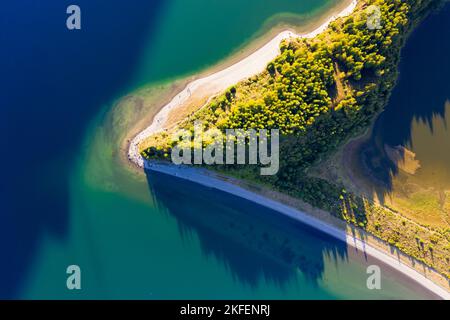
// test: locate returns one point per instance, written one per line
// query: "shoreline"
(212, 180)
(214, 82)
(170, 88)
(219, 81)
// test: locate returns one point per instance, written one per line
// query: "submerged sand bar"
(220, 81)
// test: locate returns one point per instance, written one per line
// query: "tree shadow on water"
(251, 241)
(54, 82)
(421, 95)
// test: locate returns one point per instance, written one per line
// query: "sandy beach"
(220, 81)
(210, 180)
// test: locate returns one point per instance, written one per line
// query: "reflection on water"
(251, 244)
(431, 144)
(264, 250)
(422, 182)
(52, 216)
(408, 156)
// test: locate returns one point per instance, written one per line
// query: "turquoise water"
(418, 118)
(71, 201)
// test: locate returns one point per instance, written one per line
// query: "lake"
(67, 199)
(409, 151)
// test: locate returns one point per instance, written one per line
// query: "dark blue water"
(64, 200)
(53, 82)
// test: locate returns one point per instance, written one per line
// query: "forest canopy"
(319, 92)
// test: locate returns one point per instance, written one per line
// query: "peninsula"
(320, 90)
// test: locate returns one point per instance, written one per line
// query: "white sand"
(207, 179)
(220, 81)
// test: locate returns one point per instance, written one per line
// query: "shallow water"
(418, 118)
(67, 199)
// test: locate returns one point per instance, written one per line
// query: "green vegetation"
(319, 92)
